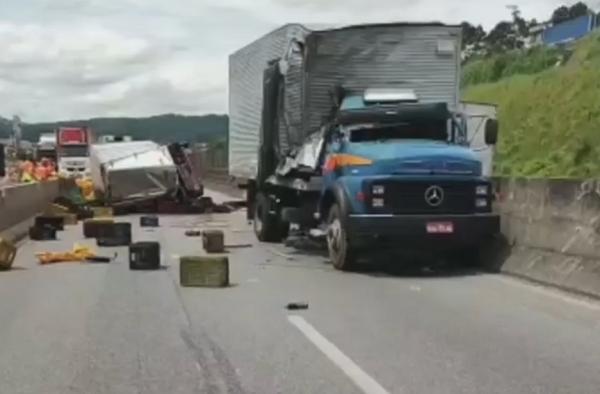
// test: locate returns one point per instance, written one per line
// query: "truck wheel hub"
(334, 235)
(258, 224)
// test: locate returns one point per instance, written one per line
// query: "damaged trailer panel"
(318, 64)
(131, 170)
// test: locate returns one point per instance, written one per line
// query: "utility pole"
(17, 131)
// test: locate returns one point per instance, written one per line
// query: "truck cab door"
(477, 115)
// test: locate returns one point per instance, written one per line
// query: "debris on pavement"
(149, 221)
(236, 204)
(8, 251)
(56, 210)
(114, 234)
(295, 306)
(101, 259)
(281, 254)
(302, 242)
(57, 223)
(213, 241)
(80, 253)
(204, 271)
(42, 233)
(103, 212)
(144, 256)
(238, 246)
(94, 228)
(193, 233)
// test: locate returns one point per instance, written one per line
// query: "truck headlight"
(482, 190)
(378, 190)
(481, 202)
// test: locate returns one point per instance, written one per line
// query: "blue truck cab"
(399, 173)
(386, 172)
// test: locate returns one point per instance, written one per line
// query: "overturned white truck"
(132, 170)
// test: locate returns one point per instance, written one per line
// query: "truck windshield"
(74, 151)
(422, 129)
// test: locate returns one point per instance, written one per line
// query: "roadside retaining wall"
(552, 230)
(20, 203)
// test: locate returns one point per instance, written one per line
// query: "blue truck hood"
(415, 157)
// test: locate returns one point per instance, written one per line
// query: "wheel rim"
(334, 236)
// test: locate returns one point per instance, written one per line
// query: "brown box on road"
(204, 271)
(213, 241)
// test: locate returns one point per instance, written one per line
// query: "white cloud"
(64, 59)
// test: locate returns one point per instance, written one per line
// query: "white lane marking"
(365, 382)
(551, 292)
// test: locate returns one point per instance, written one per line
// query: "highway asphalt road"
(81, 328)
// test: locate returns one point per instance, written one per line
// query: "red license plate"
(440, 228)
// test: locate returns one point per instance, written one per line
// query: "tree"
(564, 13)
(471, 34)
(561, 14)
(502, 37)
(519, 24)
(578, 9)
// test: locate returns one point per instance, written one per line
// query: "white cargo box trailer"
(130, 170)
(315, 62)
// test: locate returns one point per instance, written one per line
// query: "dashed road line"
(366, 383)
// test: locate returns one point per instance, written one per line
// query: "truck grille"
(408, 197)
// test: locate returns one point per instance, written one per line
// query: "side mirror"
(491, 132)
(2, 162)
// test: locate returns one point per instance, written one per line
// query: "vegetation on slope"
(550, 120)
(516, 62)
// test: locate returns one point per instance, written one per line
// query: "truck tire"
(268, 227)
(341, 253)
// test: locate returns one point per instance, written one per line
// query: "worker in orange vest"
(27, 171)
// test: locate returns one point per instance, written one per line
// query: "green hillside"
(163, 128)
(549, 108)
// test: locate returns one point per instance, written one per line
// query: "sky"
(76, 59)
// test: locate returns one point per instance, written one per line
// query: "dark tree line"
(511, 34)
(565, 13)
(162, 128)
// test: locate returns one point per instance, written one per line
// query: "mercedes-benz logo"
(434, 196)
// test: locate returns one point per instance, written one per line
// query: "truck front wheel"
(342, 255)
(268, 227)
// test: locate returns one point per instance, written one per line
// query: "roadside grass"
(550, 120)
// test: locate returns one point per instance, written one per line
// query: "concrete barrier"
(18, 204)
(552, 230)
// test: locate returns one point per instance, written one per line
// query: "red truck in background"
(73, 151)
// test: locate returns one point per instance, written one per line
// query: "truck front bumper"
(412, 230)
